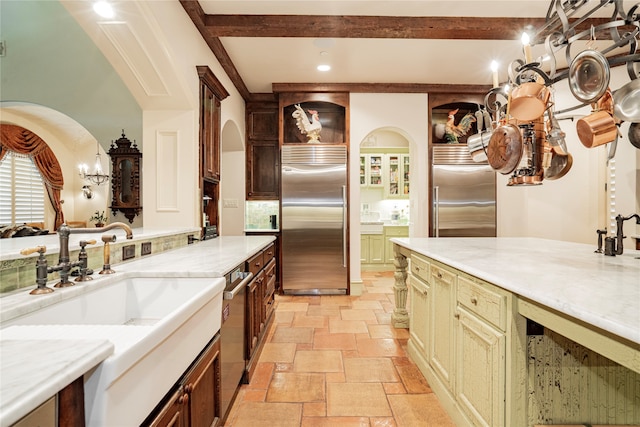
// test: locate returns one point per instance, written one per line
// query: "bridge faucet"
(613, 246)
(64, 263)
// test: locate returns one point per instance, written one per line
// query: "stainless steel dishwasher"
(232, 335)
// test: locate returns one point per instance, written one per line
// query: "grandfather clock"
(125, 177)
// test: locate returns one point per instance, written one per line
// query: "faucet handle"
(29, 251)
(84, 243)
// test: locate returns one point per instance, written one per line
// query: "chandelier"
(98, 177)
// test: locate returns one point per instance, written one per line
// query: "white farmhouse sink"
(157, 325)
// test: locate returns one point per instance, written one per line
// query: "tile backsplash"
(257, 214)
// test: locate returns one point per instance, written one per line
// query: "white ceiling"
(263, 61)
(136, 44)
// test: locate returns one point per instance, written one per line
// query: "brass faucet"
(64, 263)
(613, 246)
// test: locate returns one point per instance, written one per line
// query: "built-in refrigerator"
(463, 194)
(314, 219)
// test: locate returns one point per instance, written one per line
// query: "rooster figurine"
(452, 131)
(311, 129)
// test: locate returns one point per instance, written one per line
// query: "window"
(21, 191)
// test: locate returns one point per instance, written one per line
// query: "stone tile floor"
(337, 361)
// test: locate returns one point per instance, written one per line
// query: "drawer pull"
(439, 275)
(425, 292)
(457, 315)
(474, 300)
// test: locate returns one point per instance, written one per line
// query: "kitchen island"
(496, 323)
(210, 259)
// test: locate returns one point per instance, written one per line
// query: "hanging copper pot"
(529, 101)
(596, 129)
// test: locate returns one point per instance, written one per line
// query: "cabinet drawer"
(268, 254)
(420, 267)
(396, 231)
(439, 273)
(255, 263)
(483, 301)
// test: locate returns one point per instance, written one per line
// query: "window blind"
(21, 191)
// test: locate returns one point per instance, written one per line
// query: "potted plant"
(99, 218)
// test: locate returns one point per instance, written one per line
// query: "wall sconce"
(87, 192)
(97, 177)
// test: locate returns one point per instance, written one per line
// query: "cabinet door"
(375, 170)
(389, 233)
(420, 315)
(209, 133)
(202, 385)
(254, 303)
(263, 163)
(376, 249)
(480, 370)
(442, 284)
(405, 175)
(363, 171)
(392, 181)
(173, 414)
(364, 249)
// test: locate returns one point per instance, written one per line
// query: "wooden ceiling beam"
(390, 27)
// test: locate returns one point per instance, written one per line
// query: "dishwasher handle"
(232, 293)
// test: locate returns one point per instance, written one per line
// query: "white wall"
(573, 207)
(73, 145)
(405, 114)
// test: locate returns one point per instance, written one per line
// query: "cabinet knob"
(188, 388)
(474, 300)
(439, 275)
(457, 315)
(184, 399)
(425, 292)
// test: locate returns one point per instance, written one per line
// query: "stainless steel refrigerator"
(463, 194)
(314, 219)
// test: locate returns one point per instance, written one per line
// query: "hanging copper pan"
(529, 101)
(596, 129)
(505, 148)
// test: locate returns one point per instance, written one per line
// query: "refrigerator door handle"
(344, 226)
(436, 211)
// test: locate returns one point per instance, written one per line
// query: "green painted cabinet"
(371, 249)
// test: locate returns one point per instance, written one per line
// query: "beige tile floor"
(337, 361)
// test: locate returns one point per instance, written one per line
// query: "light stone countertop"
(603, 291)
(33, 371)
(210, 258)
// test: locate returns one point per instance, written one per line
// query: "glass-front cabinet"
(390, 171)
(371, 170)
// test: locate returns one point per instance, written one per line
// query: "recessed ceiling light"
(324, 67)
(103, 9)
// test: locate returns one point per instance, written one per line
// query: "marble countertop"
(602, 291)
(210, 258)
(33, 371)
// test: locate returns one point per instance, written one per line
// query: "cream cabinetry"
(389, 233)
(441, 341)
(461, 329)
(419, 297)
(387, 170)
(372, 249)
(481, 351)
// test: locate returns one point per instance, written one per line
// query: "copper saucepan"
(529, 101)
(596, 129)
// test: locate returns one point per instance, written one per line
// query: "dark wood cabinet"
(260, 304)
(263, 152)
(172, 414)
(333, 114)
(211, 93)
(202, 386)
(195, 400)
